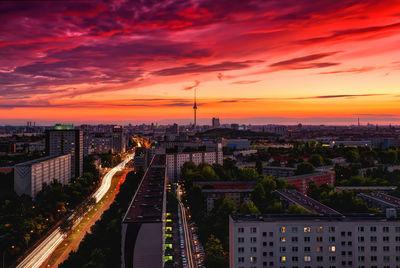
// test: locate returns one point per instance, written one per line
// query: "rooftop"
(148, 201)
(38, 160)
(311, 217)
(384, 198)
(306, 202)
(307, 175)
(227, 190)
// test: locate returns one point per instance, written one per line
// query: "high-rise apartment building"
(66, 140)
(29, 177)
(118, 140)
(320, 241)
(215, 122)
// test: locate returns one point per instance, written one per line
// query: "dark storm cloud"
(304, 62)
(197, 68)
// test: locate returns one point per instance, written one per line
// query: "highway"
(36, 258)
(187, 236)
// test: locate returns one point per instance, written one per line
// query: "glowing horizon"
(120, 61)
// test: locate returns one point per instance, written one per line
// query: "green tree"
(259, 166)
(388, 157)
(296, 209)
(304, 168)
(352, 155)
(249, 173)
(316, 160)
(248, 208)
(215, 256)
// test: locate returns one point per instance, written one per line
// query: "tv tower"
(194, 108)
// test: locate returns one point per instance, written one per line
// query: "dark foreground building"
(144, 222)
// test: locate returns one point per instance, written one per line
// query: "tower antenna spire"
(194, 108)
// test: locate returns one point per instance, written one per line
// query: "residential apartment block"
(29, 177)
(317, 241)
(175, 161)
(66, 140)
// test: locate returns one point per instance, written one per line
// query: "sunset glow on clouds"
(261, 61)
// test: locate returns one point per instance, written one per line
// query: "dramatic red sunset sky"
(273, 61)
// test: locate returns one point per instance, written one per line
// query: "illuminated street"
(39, 255)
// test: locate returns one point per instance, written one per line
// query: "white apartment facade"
(313, 241)
(175, 161)
(29, 177)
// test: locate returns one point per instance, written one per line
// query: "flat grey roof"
(227, 190)
(38, 160)
(311, 217)
(306, 202)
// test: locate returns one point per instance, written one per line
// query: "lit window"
(320, 229)
(307, 258)
(283, 239)
(307, 229)
(332, 249)
(283, 258)
(283, 229)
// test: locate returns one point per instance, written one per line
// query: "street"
(190, 257)
(44, 250)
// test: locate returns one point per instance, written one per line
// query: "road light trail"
(188, 240)
(36, 258)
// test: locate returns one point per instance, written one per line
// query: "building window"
(386, 258)
(253, 230)
(253, 239)
(307, 229)
(332, 258)
(307, 249)
(240, 230)
(241, 259)
(372, 229)
(253, 259)
(283, 258)
(397, 229)
(361, 249)
(331, 239)
(320, 258)
(307, 239)
(397, 238)
(386, 239)
(319, 249)
(295, 258)
(240, 239)
(374, 258)
(361, 258)
(320, 229)
(331, 229)
(319, 238)
(361, 229)
(307, 258)
(282, 239)
(373, 239)
(385, 229)
(361, 239)
(385, 248)
(264, 234)
(373, 248)
(295, 249)
(283, 229)
(241, 250)
(294, 229)
(282, 249)
(332, 248)
(294, 239)
(253, 249)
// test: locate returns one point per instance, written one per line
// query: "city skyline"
(252, 62)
